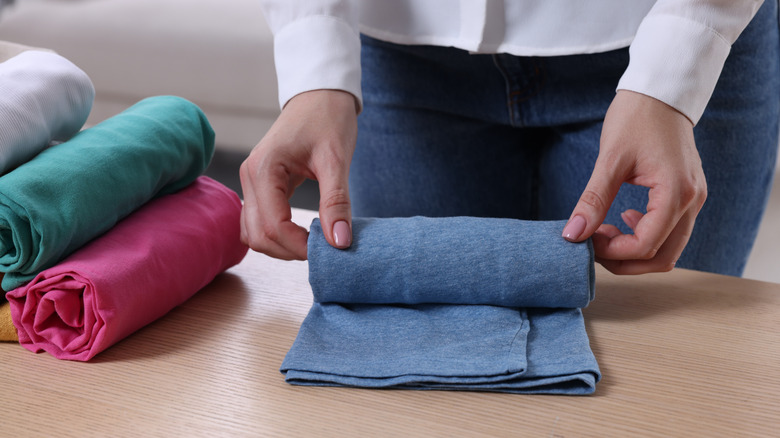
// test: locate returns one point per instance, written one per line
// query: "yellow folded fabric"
(7, 329)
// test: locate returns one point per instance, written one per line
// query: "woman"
(489, 108)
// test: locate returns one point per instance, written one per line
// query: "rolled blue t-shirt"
(448, 303)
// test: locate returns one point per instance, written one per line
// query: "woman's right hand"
(314, 137)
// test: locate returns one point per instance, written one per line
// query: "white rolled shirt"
(44, 98)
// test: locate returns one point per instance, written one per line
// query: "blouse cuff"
(677, 61)
(317, 52)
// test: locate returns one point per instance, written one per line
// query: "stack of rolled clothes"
(458, 304)
(112, 226)
(44, 99)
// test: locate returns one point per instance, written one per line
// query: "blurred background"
(217, 54)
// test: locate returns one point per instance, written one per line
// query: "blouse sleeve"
(680, 48)
(316, 46)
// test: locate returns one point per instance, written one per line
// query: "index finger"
(267, 218)
(663, 214)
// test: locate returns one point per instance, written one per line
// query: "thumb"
(336, 210)
(592, 207)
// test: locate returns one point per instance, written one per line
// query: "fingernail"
(341, 234)
(574, 228)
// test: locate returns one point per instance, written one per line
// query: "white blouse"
(677, 47)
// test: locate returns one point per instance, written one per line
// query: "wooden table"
(682, 353)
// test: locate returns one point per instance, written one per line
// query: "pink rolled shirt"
(149, 263)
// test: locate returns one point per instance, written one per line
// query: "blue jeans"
(447, 133)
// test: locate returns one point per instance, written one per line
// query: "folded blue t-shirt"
(448, 303)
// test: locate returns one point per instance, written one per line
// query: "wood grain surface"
(682, 354)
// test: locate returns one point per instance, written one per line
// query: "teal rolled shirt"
(74, 191)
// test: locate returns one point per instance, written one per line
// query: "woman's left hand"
(648, 143)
